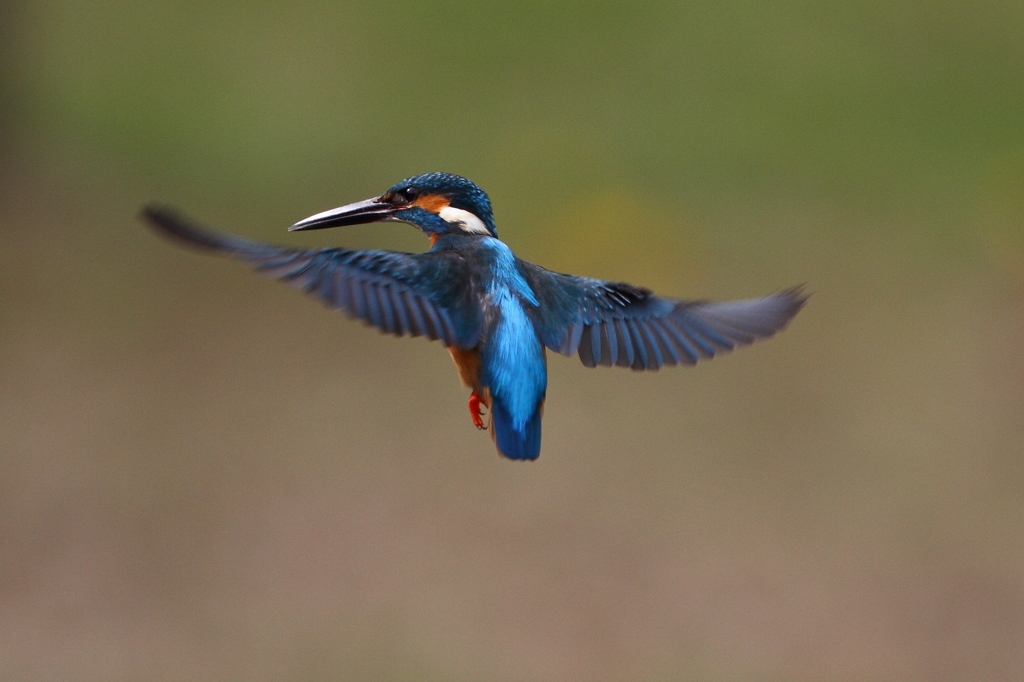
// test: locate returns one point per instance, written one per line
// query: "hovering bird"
(495, 313)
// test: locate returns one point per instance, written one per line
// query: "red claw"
(475, 412)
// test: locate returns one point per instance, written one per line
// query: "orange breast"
(468, 364)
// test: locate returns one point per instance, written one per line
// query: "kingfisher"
(496, 314)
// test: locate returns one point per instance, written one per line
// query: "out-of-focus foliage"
(205, 476)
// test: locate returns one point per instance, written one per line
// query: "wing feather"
(586, 347)
(399, 293)
(668, 349)
(611, 333)
(612, 323)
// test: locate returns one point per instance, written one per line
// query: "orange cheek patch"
(431, 202)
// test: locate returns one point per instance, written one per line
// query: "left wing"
(612, 323)
(422, 294)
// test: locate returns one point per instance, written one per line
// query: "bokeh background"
(207, 476)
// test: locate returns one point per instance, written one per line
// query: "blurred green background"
(207, 476)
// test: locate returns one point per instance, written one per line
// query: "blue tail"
(515, 444)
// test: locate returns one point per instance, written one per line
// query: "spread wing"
(611, 323)
(423, 294)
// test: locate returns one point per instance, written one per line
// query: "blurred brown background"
(207, 476)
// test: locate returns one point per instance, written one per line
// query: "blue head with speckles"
(452, 197)
(437, 203)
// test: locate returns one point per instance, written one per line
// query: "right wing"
(612, 323)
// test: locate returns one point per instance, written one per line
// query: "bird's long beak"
(369, 211)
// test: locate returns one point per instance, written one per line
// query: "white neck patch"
(468, 221)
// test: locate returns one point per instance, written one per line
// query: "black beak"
(369, 211)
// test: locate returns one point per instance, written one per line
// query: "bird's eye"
(410, 193)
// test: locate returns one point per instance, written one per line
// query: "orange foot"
(474, 411)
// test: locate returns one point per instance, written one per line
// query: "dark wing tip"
(170, 223)
(797, 293)
(795, 297)
(742, 322)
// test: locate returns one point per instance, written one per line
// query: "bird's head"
(437, 203)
